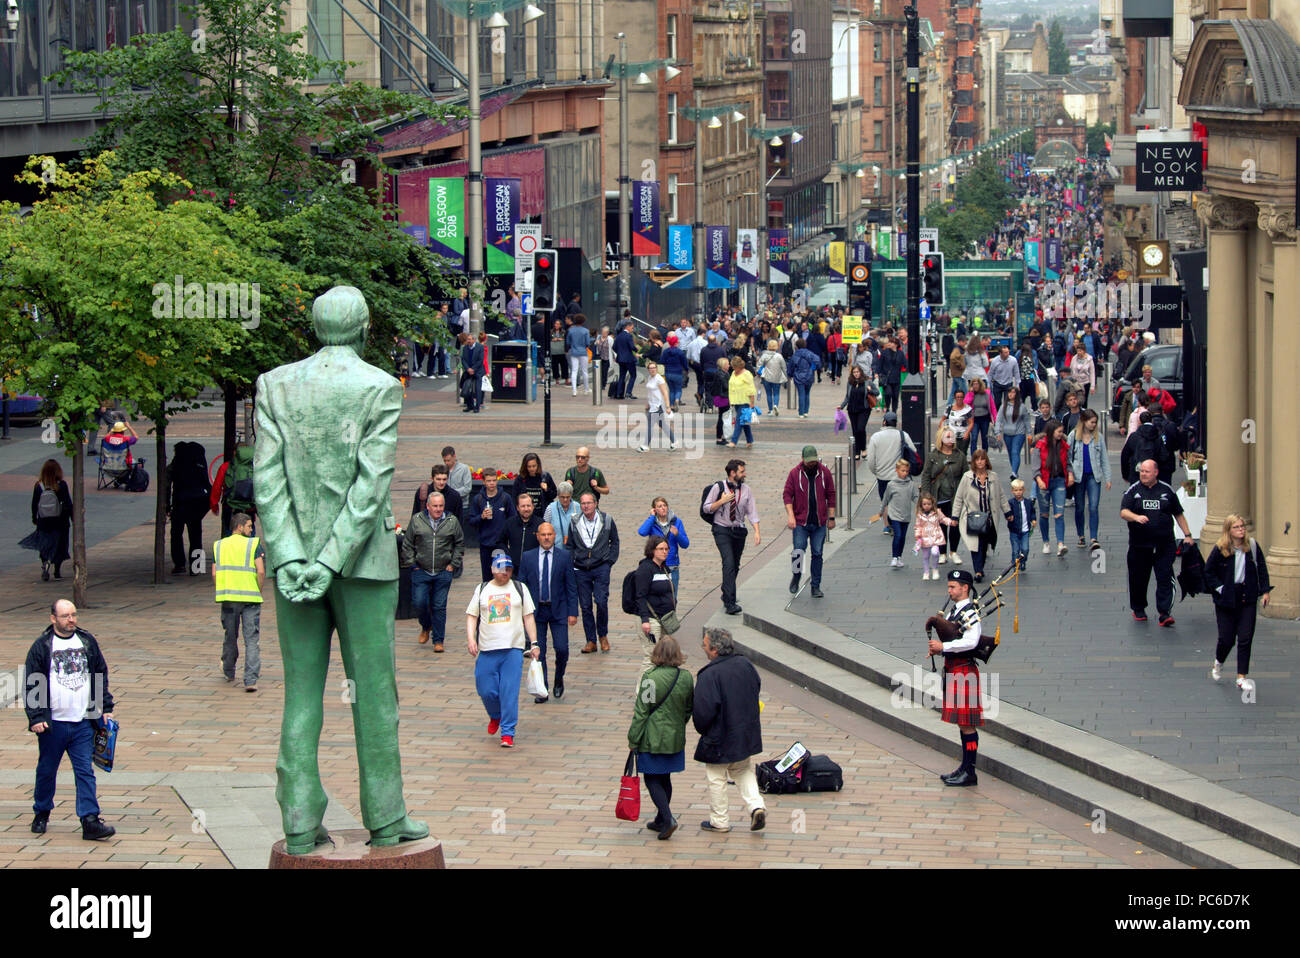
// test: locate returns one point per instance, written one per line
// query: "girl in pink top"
(929, 535)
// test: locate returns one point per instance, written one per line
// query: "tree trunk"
(160, 506)
(79, 527)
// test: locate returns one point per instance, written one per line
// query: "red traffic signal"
(543, 262)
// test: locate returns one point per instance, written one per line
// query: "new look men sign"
(1169, 165)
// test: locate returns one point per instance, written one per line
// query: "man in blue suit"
(625, 356)
(547, 571)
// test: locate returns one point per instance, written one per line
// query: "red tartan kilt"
(961, 694)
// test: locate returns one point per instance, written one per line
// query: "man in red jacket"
(809, 512)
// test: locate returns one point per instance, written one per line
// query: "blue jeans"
(559, 635)
(673, 571)
(735, 432)
(804, 536)
(773, 391)
(674, 389)
(1014, 446)
(1053, 495)
(78, 740)
(593, 587)
(957, 383)
(1088, 485)
(496, 679)
(900, 536)
(803, 389)
(1020, 547)
(429, 599)
(979, 433)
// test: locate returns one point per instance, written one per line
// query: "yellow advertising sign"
(837, 259)
(852, 330)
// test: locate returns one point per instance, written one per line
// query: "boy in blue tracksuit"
(1021, 515)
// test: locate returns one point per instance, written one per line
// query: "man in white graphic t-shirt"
(500, 627)
(66, 688)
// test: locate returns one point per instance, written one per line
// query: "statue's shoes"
(300, 843)
(405, 830)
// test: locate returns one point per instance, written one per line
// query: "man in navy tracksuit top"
(625, 356)
(489, 511)
(66, 683)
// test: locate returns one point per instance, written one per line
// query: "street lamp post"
(474, 184)
(624, 211)
(701, 295)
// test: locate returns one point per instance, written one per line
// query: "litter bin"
(510, 371)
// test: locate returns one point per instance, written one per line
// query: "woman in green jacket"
(944, 467)
(658, 730)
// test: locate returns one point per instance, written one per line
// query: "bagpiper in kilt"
(959, 633)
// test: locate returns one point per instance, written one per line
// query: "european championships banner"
(1052, 259)
(500, 214)
(717, 256)
(778, 257)
(681, 252)
(836, 260)
(447, 218)
(1031, 259)
(747, 256)
(645, 218)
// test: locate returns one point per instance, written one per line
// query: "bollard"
(853, 465)
(598, 383)
(789, 394)
(546, 408)
(839, 484)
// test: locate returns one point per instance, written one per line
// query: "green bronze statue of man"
(326, 446)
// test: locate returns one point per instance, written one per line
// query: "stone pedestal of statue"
(349, 850)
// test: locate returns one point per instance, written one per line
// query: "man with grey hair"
(726, 715)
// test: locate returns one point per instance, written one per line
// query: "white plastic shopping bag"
(536, 681)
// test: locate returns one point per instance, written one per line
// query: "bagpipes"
(948, 630)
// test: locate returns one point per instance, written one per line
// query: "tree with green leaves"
(235, 108)
(1096, 137)
(1058, 56)
(114, 284)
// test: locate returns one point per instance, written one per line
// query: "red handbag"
(629, 792)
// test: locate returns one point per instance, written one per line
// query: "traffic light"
(545, 265)
(932, 290)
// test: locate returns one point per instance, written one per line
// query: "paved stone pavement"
(197, 756)
(1079, 658)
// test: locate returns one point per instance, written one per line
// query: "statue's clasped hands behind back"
(300, 581)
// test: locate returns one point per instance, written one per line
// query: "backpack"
(137, 479)
(705, 514)
(239, 480)
(49, 506)
(787, 345)
(629, 593)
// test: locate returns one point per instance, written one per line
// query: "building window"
(778, 96)
(672, 197)
(672, 36)
(878, 136)
(672, 118)
(878, 46)
(326, 41)
(778, 36)
(835, 141)
(878, 90)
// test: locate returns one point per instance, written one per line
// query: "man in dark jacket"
(727, 717)
(709, 357)
(816, 344)
(65, 685)
(1148, 441)
(625, 356)
(521, 528)
(188, 494)
(889, 369)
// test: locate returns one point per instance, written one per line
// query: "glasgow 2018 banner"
(681, 253)
(447, 218)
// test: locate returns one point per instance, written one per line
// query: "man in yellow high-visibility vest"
(239, 570)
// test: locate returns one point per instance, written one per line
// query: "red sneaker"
(1166, 620)
(507, 741)
(493, 726)
(1139, 617)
